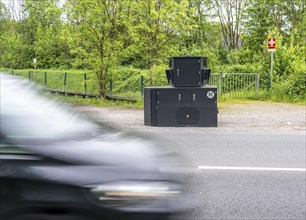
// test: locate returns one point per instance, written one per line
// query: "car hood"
(109, 150)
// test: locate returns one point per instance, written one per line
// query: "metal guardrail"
(109, 97)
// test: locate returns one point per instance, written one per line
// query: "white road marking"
(252, 168)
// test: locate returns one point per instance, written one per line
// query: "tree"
(199, 29)
(285, 18)
(295, 12)
(5, 27)
(201, 34)
(230, 13)
(98, 26)
(42, 27)
(257, 25)
(157, 25)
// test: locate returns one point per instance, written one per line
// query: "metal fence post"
(85, 85)
(111, 88)
(257, 84)
(45, 79)
(141, 86)
(29, 75)
(220, 84)
(65, 81)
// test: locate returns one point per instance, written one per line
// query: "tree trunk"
(101, 83)
(151, 64)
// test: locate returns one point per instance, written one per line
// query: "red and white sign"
(272, 43)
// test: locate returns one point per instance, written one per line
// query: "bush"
(239, 68)
(127, 79)
(296, 88)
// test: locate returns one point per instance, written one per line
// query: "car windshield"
(26, 115)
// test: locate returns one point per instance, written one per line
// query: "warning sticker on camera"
(210, 94)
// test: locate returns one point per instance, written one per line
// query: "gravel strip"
(247, 117)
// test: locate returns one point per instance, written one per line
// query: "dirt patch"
(247, 117)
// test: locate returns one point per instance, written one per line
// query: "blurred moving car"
(54, 164)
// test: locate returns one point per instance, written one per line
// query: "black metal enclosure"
(186, 102)
(195, 107)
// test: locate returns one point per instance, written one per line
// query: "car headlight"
(129, 193)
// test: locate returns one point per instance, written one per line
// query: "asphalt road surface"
(231, 174)
(243, 176)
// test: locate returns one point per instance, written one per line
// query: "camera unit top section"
(188, 71)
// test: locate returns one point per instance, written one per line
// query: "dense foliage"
(139, 35)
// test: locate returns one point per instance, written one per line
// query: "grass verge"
(101, 102)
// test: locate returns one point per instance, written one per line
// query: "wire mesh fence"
(236, 85)
(230, 85)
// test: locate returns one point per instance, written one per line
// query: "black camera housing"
(188, 101)
(188, 71)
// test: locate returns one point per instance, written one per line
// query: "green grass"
(277, 95)
(55, 79)
(127, 84)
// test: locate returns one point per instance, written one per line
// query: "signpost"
(271, 49)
